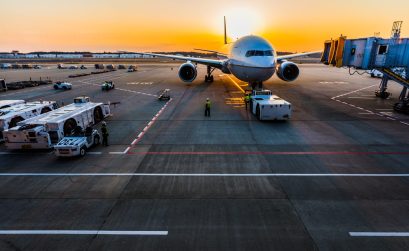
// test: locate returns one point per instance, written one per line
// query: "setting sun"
(243, 21)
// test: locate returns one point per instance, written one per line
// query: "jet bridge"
(389, 56)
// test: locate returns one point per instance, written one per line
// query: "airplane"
(251, 59)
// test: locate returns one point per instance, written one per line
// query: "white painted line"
(404, 123)
(379, 175)
(134, 141)
(362, 98)
(366, 113)
(140, 134)
(379, 234)
(127, 149)
(355, 91)
(116, 153)
(80, 232)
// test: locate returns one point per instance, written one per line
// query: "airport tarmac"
(334, 177)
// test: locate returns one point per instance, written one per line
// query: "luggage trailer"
(44, 131)
(11, 116)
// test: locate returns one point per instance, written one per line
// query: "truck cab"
(62, 86)
(77, 144)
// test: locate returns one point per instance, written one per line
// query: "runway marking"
(269, 153)
(140, 83)
(354, 91)
(378, 175)
(149, 125)
(238, 86)
(379, 234)
(80, 232)
(333, 82)
(362, 98)
(387, 115)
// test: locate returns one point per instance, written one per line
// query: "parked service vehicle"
(111, 67)
(27, 66)
(266, 106)
(132, 68)
(99, 66)
(61, 66)
(83, 67)
(78, 144)
(37, 66)
(46, 130)
(10, 102)
(121, 67)
(73, 67)
(10, 116)
(62, 86)
(107, 85)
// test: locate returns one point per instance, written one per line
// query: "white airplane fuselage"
(252, 59)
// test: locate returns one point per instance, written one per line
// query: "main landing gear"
(209, 77)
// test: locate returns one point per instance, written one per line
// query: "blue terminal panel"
(374, 52)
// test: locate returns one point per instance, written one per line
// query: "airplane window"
(249, 53)
(253, 53)
(268, 53)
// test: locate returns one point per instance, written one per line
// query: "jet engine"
(187, 72)
(288, 71)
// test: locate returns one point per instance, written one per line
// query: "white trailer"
(44, 131)
(10, 102)
(11, 116)
(266, 106)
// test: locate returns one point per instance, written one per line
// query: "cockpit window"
(257, 53)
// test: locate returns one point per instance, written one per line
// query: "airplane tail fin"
(225, 31)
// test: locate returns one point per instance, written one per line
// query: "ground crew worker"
(247, 99)
(207, 108)
(105, 134)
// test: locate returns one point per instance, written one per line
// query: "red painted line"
(269, 153)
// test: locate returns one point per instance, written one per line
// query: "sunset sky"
(163, 25)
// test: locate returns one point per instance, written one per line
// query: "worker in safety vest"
(105, 134)
(247, 99)
(207, 108)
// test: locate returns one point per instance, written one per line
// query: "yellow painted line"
(234, 82)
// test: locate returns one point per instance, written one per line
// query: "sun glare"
(242, 22)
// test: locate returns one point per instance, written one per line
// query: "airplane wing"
(290, 56)
(211, 62)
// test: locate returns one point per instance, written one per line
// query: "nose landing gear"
(257, 85)
(209, 77)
